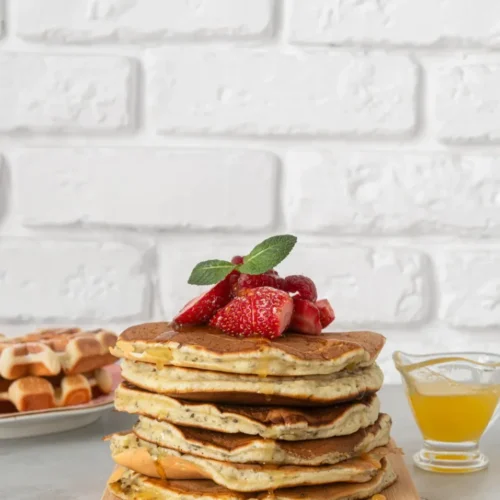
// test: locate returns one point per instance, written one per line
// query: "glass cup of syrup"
(454, 399)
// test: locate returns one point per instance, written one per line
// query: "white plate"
(39, 423)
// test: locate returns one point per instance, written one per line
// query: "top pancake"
(206, 348)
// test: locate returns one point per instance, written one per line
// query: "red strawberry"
(272, 272)
(232, 277)
(246, 281)
(302, 285)
(202, 308)
(305, 318)
(326, 312)
(263, 311)
(237, 259)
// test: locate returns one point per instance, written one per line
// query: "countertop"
(74, 465)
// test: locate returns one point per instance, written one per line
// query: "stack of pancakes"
(250, 418)
(53, 368)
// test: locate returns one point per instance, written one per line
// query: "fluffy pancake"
(128, 485)
(207, 386)
(240, 448)
(146, 458)
(286, 423)
(207, 348)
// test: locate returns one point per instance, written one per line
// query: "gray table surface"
(74, 465)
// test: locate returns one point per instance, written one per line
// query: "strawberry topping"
(303, 286)
(246, 281)
(326, 312)
(305, 318)
(202, 308)
(237, 259)
(263, 311)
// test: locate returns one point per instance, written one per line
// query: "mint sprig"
(262, 258)
(210, 272)
(268, 254)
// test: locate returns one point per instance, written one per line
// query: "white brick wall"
(130, 21)
(395, 22)
(392, 193)
(281, 92)
(85, 187)
(40, 92)
(141, 136)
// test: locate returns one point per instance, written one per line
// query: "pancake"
(207, 386)
(285, 423)
(146, 458)
(128, 485)
(207, 348)
(240, 448)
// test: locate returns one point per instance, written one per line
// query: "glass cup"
(454, 399)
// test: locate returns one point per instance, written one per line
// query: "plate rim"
(86, 408)
(57, 412)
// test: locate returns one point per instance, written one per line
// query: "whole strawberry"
(261, 311)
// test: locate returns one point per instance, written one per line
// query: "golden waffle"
(36, 393)
(49, 352)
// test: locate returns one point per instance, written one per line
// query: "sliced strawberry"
(258, 311)
(233, 277)
(202, 308)
(305, 318)
(326, 312)
(237, 259)
(302, 285)
(246, 281)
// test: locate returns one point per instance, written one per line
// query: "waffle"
(51, 352)
(36, 393)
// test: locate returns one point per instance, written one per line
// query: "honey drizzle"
(159, 469)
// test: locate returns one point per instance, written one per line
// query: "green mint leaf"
(268, 254)
(210, 272)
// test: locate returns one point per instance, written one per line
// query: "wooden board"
(403, 489)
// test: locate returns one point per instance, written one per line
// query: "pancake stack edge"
(228, 418)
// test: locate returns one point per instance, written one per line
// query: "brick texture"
(396, 22)
(71, 280)
(63, 93)
(466, 101)
(243, 93)
(470, 283)
(152, 187)
(392, 193)
(128, 21)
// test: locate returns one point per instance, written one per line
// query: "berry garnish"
(250, 297)
(305, 318)
(326, 312)
(264, 257)
(303, 286)
(246, 281)
(199, 310)
(263, 311)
